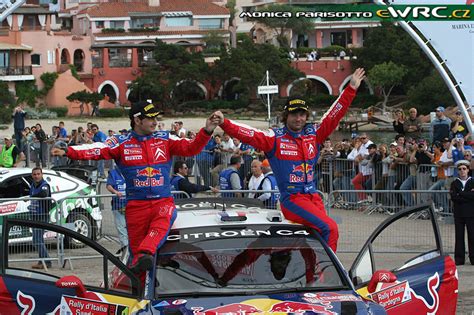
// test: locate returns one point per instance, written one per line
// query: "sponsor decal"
(326, 297)
(235, 233)
(93, 152)
(133, 158)
(131, 145)
(279, 132)
(159, 154)
(161, 134)
(149, 172)
(132, 151)
(286, 152)
(298, 173)
(310, 148)
(335, 110)
(300, 308)
(8, 208)
(149, 182)
(234, 308)
(289, 146)
(246, 132)
(112, 141)
(179, 302)
(391, 296)
(26, 302)
(74, 305)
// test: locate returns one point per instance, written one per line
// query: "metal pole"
(268, 100)
(440, 68)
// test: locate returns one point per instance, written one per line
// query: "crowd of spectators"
(409, 162)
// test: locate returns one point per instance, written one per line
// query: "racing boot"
(144, 262)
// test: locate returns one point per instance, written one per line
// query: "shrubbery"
(112, 112)
(6, 114)
(212, 105)
(60, 111)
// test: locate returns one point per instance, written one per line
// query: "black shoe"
(459, 263)
(144, 262)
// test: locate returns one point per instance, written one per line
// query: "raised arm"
(260, 140)
(95, 151)
(331, 118)
(190, 147)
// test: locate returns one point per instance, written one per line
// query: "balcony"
(26, 70)
(120, 63)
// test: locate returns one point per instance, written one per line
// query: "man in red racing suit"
(144, 157)
(292, 153)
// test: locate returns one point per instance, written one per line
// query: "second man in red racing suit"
(144, 156)
(292, 153)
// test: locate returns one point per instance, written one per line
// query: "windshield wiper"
(301, 289)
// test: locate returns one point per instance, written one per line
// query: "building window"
(120, 57)
(96, 56)
(4, 59)
(117, 24)
(247, 9)
(179, 21)
(349, 36)
(338, 38)
(99, 24)
(210, 24)
(302, 41)
(145, 22)
(36, 60)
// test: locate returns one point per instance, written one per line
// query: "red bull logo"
(299, 307)
(299, 171)
(148, 172)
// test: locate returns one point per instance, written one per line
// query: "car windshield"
(234, 259)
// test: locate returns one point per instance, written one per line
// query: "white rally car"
(83, 214)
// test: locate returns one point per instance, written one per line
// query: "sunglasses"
(462, 168)
(363, 137)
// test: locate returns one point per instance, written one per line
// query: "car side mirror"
(72, 282)
(380, 276)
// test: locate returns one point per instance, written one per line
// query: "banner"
(454, 42)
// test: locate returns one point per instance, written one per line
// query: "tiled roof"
(182, 32)
(121, 9)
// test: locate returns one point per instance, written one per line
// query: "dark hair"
(178, 165)
(284, 115)
(94, 126)
(37, 168)
(235, 159)
(372, 146)
(399, 136)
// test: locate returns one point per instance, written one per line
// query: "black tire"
(83, 226)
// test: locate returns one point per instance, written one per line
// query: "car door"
(402, 266)
(70, 281)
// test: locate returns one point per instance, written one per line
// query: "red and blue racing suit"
(293, 157)
(145, 163)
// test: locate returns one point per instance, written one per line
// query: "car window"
(239, 260)
(59, 184)
(27, 258)
(14, 187)
(407, 241)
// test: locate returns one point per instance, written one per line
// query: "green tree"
(281, 25)
(232, 10)
(48, 78)
(249, 62)
(386, 76)
(214, 41)
(430, 93)
(6, 97)
(174, 66)
(84, 97)
(27, 92)
(392, 43)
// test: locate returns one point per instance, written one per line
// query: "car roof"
(14, 171)
(200, 212)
